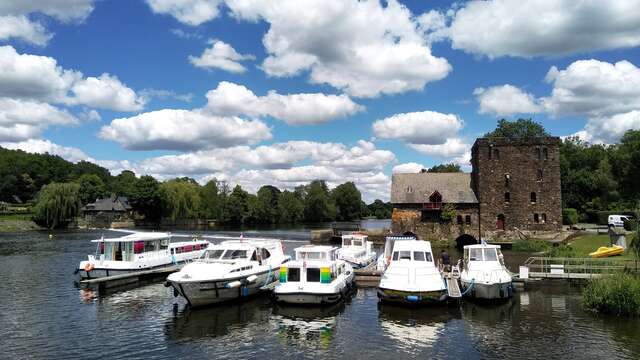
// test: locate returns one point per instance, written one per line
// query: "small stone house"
(104, 212)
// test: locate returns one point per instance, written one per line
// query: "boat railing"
(578, 267)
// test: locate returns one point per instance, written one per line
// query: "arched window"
(539, 175)
(544, 218)
(435, 197)
(507, 180)
(545, 153)
(534, 198)
(409, 189)
(500, 222)
(538, 153)
(536, 218)
(496, 154)
(459, 219)
(467, 219)
(507, 197)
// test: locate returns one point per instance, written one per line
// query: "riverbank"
(617, 295)
(579, 246)
(17, 222)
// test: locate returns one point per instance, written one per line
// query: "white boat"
(484, 275)
(316, 276)
(411, 275)
(136, 252)
(357, 250)
(229, 270)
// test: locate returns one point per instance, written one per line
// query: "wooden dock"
(130, 280)
(368, 276)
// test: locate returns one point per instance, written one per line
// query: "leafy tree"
(124, 183)
(380, 209)
(317, 203)
(519, 129)
(448, 212)
(290, 207)
(146, 198)
(91, 188)
(266, 206)
(58, 204)
(211, 202)
(445, 168)
(626, 164)
(237, 205)
(347, 199)
(180, 199)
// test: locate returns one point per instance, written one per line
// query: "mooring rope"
(473, 282)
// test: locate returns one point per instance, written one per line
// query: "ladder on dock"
(453, 287)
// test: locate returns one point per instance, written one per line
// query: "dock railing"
(578, 268)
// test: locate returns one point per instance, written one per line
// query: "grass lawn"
(585, 244)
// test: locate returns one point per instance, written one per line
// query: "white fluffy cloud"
(171, 129)
(20, 27)
(505, 100)
(45, 146)
(426, 127)
(40, 78)
(453, 147)
(189, 12)
(24, 119)
(609, 130)
(380, 49)
(410, 167)
(544, 28)
(312, 108)
(593, 88)
(221, 56)
(14, 22)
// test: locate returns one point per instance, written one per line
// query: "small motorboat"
(316, 276)
(484, 275)
(605, 251)
(136, 252)
(230, 270)
(357, 250)
(411, 275)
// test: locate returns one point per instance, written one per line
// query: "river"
(43, 315)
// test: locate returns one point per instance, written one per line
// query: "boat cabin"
(412, 250)
(233, 251)
(313, 264)
(390, 242)
(354, 240)
(482, 254)
(139, 246)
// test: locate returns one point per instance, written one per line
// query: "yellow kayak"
(604, 251)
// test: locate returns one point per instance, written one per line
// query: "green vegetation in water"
(617, 294)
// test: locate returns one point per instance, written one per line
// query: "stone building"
(107, 211)
(514, 187)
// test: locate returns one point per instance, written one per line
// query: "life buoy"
(88, 267)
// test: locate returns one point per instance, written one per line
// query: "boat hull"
(202, 293)
(98, 272)
(308, 298)
(488, 291)
(412, 297)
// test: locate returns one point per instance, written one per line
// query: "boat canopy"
(354, 240)
(391, 240)
(137, 237)
(316, 252)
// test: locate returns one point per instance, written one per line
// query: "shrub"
(569, 216)
(533, 245)
(615, 294)
(564, 251)
(631, 225)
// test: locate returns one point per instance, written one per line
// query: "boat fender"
(233, 284)
(88, 267)
(413, 298)
(167, 284)
(252, 278)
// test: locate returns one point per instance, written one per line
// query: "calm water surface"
(43, 315)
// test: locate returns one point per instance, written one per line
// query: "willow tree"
(180, 199)
(58, 204)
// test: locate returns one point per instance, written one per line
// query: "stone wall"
(501, 166)
(409, 218)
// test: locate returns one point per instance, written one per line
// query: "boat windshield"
(475, 254)
(490, 255)
(212, 254)
(483, 254)
(422, 256)
(357, 242)
(312, 255)
(235, 254)
(402, 255)
(346, 241)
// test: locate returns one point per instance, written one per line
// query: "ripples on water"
(43, 315)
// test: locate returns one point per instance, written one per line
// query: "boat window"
(149, 246)
(265, 254)
(490, 255)
(212, 254)
(428, 257)
(235, 254)
(405, 255)
(313, 256)
(346, 241)
(138, 247)
(418, 256)
(294, 274)
(254, 256)
(395, 255)
(164, 244)
(475, 254)
(313, 275)
(357, 242)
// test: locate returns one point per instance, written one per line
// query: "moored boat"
(316, 276)
(230, 270)
(136, 252)
(605, 251)
(411, 275)
(357, 250)
(484, 275)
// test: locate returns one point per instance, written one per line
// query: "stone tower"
(517, 183)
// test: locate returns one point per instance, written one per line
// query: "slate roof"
(120, 204)
(415, 188)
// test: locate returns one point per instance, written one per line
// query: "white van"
(618, 220)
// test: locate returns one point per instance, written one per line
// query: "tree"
(516, 130)
(448, 212)
(626, 164)
(380, 209)
(145, 198)
(445, 168)
(237, 205)
(211, 202)
(317, 204)
(266, 206)
(91, 188)
(347, 199)
(290, 207)
(180, 199)
(58, 204)
(123, 184)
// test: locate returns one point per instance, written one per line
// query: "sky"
(283, 92)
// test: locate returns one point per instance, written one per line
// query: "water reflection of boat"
(194, 323)
(308, 326)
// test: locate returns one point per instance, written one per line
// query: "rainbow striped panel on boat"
(283, 274)
(325, 275)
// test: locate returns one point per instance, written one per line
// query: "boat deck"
(130, 280)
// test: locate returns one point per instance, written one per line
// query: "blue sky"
(298, 90)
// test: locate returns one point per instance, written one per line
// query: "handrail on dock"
(578, 268)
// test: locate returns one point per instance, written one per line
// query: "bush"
(615, 294)
(631, 225)
(533, 245)
(564, 251)
(569, 216)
